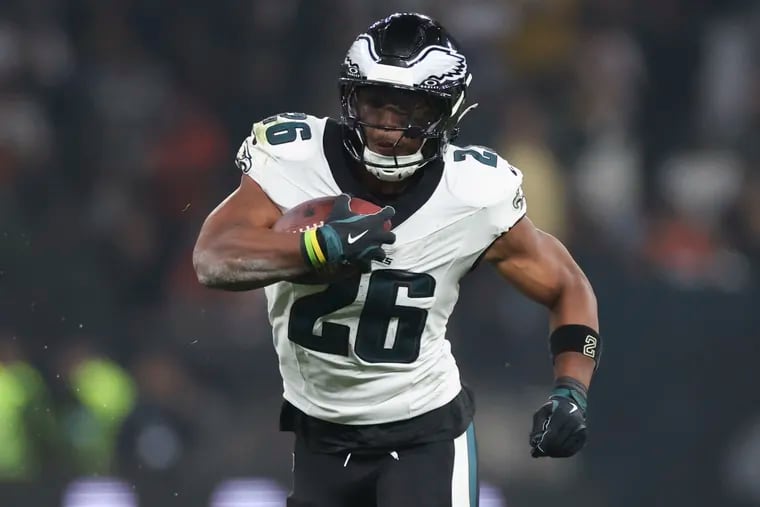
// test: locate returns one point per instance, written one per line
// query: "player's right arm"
(237, 248)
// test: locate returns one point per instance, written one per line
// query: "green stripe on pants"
(472, 459)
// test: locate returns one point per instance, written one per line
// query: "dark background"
(636, 124)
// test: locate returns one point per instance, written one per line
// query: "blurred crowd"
(636, 124)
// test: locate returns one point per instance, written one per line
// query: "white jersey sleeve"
(490, 188)
(510, 206)
(279, 153)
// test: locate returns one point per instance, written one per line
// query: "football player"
(371, 389)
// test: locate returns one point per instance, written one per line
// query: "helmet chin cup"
(389, 168)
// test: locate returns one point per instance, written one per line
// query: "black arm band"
(576, 338)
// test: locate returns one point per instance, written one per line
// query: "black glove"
(352, 238)
(559, 426)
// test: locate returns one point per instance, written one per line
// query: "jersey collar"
(406, 204)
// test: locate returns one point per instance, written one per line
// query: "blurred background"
(124, 383)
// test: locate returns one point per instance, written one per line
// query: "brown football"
(314, 213)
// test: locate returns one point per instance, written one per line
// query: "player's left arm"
(542, 268)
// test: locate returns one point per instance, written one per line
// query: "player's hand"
(353, 238)
(559, 426)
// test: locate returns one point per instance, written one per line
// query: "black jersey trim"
(421, 188)
(443, 423)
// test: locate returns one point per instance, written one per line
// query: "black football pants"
(438, 474)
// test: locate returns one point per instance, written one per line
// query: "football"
(314, 213)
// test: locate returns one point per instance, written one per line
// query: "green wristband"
(307, 250)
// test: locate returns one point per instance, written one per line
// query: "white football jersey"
(373, 349)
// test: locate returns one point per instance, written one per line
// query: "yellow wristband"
(313, 259)
(316, 247)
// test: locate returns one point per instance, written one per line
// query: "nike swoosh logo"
(575, 407)
(354, 239)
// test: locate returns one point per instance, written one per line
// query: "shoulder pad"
(479, 176)
(294, 136)
(283, 137)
